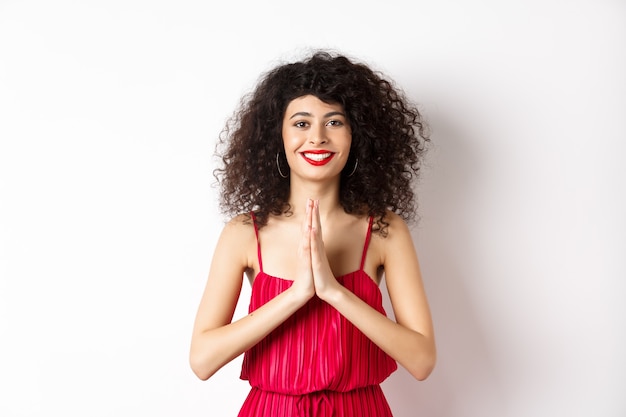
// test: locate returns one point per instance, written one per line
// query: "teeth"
(317, 156)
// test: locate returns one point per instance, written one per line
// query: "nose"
(318, 135)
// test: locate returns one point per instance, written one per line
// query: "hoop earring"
(356, 164)
(278, 166)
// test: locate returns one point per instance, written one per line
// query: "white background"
(109, 111)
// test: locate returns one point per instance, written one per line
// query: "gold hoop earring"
(278, 166)
(356, 164)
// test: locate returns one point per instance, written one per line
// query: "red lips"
(317, 157)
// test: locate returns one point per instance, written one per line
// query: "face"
(317, 138)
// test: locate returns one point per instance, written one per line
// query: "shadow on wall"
(465, 381)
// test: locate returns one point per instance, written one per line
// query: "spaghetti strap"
(258, 243)
(367, 243)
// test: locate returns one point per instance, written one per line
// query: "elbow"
(198, 371)
(422, 368)
(423, 372)
(199, 367)
(203, 376)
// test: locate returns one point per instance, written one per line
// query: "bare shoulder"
(241, 223)
(397, 225)
(396, 241)
(397, 232)
(238, 240)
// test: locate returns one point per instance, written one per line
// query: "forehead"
(312, 104)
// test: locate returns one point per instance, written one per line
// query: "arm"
(410, 339)
(216, 340)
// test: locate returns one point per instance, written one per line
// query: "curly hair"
(388, 140)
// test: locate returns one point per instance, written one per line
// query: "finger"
(306, 223)
(309, 213)
(313, 247)
(304, 249)
(317, 244)
(316, 223)
(306, 229)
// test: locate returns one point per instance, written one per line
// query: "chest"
(346, 251)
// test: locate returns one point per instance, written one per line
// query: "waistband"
(363, 402)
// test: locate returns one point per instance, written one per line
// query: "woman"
(317, 169)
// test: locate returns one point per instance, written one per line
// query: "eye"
(334, 123)
(300, 124)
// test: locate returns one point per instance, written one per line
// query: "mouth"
(317, 158)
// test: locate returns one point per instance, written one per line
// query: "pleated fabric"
(316, 363)
(362, 402)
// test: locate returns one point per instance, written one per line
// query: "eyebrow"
(307, 114)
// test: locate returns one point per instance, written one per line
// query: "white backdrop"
(109, 111)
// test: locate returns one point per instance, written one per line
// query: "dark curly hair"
(388, 140)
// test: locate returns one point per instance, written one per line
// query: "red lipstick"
(317, 157)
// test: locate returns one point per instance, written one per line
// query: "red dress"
(317, 363)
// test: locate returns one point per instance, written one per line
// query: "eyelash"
(330, 122)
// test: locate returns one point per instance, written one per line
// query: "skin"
(325, 238)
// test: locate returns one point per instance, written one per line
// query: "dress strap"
(258, 243)
(367, 243)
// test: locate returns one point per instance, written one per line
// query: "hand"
(323, 278)
(303, 284)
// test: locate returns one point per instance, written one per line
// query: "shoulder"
(238, 238)
(396, 222)
(395, 226)
(240, 223)
(240, 227)
(397, 238)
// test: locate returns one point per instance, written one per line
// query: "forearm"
(413, 350)
(213, 348)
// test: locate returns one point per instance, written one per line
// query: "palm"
(304, 281)
(323, 277)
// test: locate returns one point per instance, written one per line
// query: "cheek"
(291, 140)
(348, 142)
(289, 143)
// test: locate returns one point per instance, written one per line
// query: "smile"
(317, 158)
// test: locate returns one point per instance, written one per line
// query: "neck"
(326, 193)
